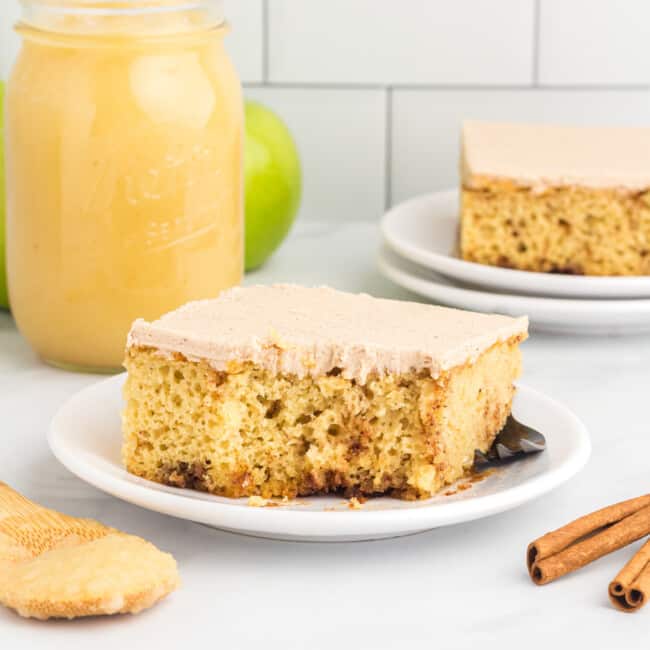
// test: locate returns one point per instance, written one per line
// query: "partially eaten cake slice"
(286, 391)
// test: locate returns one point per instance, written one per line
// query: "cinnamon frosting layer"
(299, 330)
(542, 156)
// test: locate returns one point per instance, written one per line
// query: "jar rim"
(151, 19)
(101, 8)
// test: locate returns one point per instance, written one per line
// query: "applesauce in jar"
(124, 170)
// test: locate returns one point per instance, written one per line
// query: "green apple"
(273, 183)
(4, 297)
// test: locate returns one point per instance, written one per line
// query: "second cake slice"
(286, 391)
(556, 199)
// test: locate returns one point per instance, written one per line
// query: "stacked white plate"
(419, 252)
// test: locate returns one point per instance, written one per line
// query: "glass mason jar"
(124, 132)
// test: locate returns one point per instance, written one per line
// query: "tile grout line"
(388, 149)
(536, 41)
(315, 85)
(265, 41)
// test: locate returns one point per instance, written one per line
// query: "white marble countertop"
(458, 587)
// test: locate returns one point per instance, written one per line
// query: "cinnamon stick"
(630, 590)
(588, 538)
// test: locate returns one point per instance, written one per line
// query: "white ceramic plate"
(85, 437)
(560, 315)
(425, 230)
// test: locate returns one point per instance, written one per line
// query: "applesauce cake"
(288, 391)
(556, 199)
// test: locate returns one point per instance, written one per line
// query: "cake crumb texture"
(250, 432)
(574, 230)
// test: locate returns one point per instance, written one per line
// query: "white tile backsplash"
(345, 73)
(407, 42)
(426, 125)
(340, 136)
(599, 42)
(245, 40)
